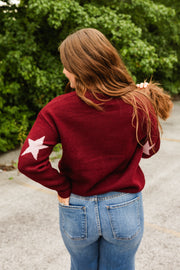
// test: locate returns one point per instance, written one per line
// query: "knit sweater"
(100, 149)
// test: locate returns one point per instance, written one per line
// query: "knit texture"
(100, 149)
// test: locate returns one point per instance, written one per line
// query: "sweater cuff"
(64, 194)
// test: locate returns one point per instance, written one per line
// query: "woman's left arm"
(34, 157)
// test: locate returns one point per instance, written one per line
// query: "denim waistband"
(101, 197)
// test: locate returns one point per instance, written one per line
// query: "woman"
(105, 127)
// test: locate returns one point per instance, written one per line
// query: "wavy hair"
(98, 69)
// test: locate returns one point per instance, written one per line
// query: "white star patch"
(34, 147)
(147, 148)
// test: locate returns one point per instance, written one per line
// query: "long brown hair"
(98, 68)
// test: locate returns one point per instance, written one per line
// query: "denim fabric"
(102, 232)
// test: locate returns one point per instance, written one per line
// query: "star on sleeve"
(35, 147)
(147, 148)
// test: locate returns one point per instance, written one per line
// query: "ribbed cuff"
(64, 194)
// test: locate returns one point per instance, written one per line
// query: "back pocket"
(73, 221)
(125, 219)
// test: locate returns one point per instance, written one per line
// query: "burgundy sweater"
(100, 150)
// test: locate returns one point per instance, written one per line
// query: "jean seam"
(97, 216)
(91, 198)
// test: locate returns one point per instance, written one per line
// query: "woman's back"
(100, 149)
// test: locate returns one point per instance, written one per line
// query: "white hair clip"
(142, 85)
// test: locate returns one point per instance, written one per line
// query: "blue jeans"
(102, 232)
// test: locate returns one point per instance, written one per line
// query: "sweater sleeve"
(151, 145)
(34, 157)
